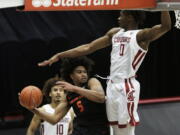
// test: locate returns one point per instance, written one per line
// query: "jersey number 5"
(80, 106)
(121, 50)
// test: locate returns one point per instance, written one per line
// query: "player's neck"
(77, 84)
(131, 27)
(54, 105)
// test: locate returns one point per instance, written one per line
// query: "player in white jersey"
(64, 127)
(126, 57)
(129, 46)
(60, 128)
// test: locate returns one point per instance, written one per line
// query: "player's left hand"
(66, 86)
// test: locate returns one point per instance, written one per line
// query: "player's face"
(79, 75)
(57, 92)
(124, 19)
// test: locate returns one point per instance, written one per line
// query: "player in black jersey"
(85, 95)
(87, 99)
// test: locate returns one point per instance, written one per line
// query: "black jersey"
(87, 112)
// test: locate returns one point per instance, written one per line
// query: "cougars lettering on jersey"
(61, 128)
(126, 55)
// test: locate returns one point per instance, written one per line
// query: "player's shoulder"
(116, 28)
(142, 31)
(93, 79)
(113, 31)
(43, 107)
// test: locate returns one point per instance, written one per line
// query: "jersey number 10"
(59, 129)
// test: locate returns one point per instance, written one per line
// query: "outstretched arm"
(84, 49)
(60, 112)
(94, 93)
(145, 36)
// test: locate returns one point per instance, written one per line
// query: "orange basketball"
(31, 97)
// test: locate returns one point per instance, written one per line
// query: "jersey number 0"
(121, 53)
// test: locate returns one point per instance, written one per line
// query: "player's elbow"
(101, 99)
(54, 122)
(90, 48)
(83, 50)
(57, 118)
(86, 48)
(166, 27)
(30, 131)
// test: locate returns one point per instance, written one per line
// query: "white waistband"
(113, 78)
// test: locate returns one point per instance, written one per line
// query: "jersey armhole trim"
(136, 43)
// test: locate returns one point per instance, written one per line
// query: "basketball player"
(86, 97)
(129, 47)
(54, 93)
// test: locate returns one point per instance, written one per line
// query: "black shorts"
(91, 130)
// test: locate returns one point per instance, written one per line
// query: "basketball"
(31, 97)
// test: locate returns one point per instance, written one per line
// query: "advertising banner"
(55, 5)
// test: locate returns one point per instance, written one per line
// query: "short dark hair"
(69, 64)
(138, 15)
(48, 85)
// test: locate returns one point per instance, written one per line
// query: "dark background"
(27, 38)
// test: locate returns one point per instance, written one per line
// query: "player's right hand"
(49, 62)
(21, 103)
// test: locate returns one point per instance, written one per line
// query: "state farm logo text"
(73, 3)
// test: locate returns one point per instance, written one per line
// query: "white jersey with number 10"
(61, 128)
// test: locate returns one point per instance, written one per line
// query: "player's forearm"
(85, 49)
(165, 20)
(75, 52)
(70, 128)
(45, 116)
(30, 132)
(90, 94)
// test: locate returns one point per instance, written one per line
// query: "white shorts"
(122, 102)
(129, 130)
